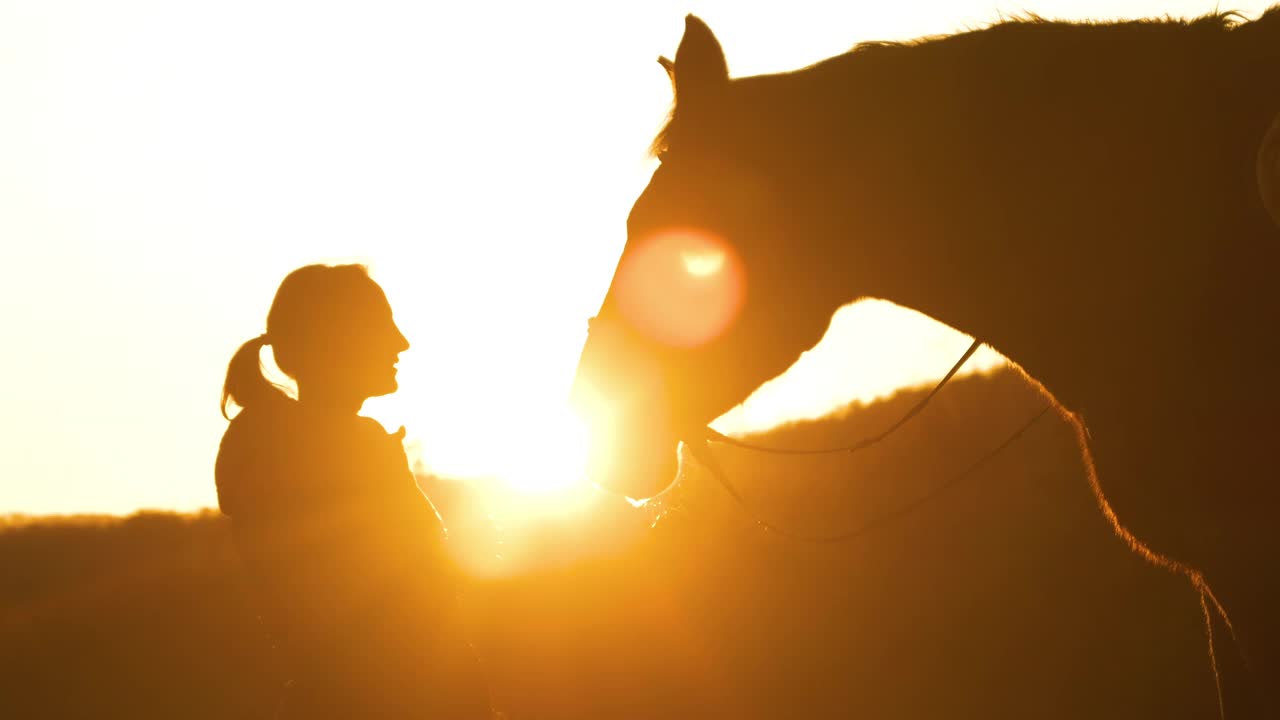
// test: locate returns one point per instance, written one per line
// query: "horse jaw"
(638, 469)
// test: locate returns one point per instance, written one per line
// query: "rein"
(702, 452)
(865, 443)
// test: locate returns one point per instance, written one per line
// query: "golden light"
(595, 417)
(286, 153)
(549, 456)
(681, 287)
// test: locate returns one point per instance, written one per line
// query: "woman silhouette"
(346, 555)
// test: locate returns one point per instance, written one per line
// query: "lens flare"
(681, 287)
(703, 264)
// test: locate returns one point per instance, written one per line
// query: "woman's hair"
(301, 317)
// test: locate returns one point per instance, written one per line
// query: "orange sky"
(163, 165)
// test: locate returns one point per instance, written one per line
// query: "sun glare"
(549, 457)
(133, 134)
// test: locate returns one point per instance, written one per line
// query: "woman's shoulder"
(248, 453)
(253, 430)
(288, 453)
(386, 447)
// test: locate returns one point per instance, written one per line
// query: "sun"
(533, 451)
(549, 456)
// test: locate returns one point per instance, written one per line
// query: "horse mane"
(1028, 35)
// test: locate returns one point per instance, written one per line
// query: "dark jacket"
(349, 566)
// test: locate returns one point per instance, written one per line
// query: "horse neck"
(1059, 223)
(889, 210)
(972, 266)
(1086, 303)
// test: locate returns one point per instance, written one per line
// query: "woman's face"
(359, 346)
(377, 347)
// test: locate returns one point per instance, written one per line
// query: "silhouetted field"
(1007, 596)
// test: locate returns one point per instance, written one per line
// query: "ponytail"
(245, 384)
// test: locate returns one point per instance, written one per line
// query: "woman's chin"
(384, 386)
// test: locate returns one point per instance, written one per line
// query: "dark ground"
(1008, 596)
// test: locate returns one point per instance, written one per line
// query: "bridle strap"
(714, 436)
(701, 450)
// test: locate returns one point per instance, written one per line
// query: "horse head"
(713, 293)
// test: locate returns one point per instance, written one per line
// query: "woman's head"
(330, 329)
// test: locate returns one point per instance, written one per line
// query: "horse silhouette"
(1090, 199)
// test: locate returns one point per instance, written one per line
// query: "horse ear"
(1268, 170)
(700, 68)
(669, 66)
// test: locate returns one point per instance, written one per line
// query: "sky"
(164, 164)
